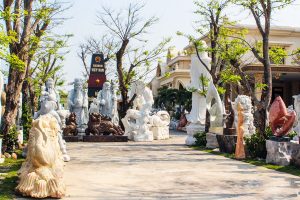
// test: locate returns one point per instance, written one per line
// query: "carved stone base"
(227, 143)
(211, 140)
(145, 137)
(278, 153)
(160, 132)
(105, 138)
(192, 129)
(71, 138)
(217, 130)
(295, 150)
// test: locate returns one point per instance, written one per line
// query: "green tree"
(262, 12)
(26, 22)
(170, 97)
(133, 57)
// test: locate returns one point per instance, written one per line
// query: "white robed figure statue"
(78, 103)
(105, 100)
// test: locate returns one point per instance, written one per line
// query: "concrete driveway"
(168, 170)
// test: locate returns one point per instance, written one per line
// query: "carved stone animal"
(93, 124)
(71, 126)
(99, 125)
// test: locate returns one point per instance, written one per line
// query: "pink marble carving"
(281, 121)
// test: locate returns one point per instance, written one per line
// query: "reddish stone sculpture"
(281, 121)
(71, 126)
(100, 125)
(182, 122)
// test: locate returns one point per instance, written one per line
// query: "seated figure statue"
(41, 175)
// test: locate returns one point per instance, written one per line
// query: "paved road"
(168, 170)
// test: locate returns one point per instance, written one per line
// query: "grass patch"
(8, 177)
(286, 169)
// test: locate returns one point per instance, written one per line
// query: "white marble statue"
(114, 111)
(197, 115)
(49, 107)
(139, 125)
(105, 99)
(94, 106)
(246, 104)
(137, 122)
(52, 92)
(215, 108)
(78, 103)
(160, 123)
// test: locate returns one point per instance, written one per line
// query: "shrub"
(292, 134)
(200, 139)
(12, 139)
(256, 144)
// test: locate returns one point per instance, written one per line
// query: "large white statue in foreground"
(139, 125)
(41, 175)
(49, 93)
(197, 115)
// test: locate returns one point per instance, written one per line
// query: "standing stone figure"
(246, 107)
(197, 116)
(105, 99)
(52, 92)
(114, 111)
(78, 103)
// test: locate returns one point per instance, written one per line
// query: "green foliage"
(170, 97)
(277, 54)
(12, 139)
(221, 90)
(292, 134)
(9, 177)
(26, 120)
(256, 144)
(261, 86)
(228, 75)
(200, 139)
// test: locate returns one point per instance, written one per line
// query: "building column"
(258, 78)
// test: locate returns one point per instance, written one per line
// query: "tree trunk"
(14, 88)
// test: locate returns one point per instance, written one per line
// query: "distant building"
(286, 76)
(175, 73)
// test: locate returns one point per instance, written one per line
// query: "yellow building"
(286, 76)
(175, 73)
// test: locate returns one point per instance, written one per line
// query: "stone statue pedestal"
(227, 143)
(143, 137)
(105, 138)
(278, 152)
(160, 132)
(211, 140)
(192, 129)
